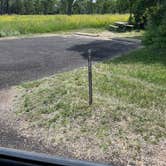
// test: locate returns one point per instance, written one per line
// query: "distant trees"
(63, 6)
(27, 6)
(70, 4)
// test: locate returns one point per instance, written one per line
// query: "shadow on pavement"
(104, 49)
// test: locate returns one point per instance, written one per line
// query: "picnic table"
(119, 23)
(121, 26)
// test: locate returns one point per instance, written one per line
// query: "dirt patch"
(6, 101)
(13, 132)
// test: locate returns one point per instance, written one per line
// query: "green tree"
(69, 6)
(156, 30)
(142, 9)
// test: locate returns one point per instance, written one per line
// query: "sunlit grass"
(17, 24)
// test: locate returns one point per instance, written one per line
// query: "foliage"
(143, 9)
(156, 31)
(140, 11)
(63, 6)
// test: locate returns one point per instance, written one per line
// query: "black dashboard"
(11, 157)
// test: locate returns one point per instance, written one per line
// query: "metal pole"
(90, 76)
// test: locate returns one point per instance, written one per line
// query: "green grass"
(127, 116)
(31, 24)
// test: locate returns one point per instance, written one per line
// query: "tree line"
(64, 6)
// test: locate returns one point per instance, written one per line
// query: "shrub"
(141, 10)
(156, 29)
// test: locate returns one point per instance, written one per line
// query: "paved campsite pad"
(32, 58)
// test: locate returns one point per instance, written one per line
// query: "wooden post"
(90, 76)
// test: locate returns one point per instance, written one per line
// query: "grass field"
(125, 124)
(17, 25)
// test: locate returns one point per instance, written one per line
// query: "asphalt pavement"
(33, 58)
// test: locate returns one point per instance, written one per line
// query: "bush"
(4, 33)
(156, 29)
(141, 10)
